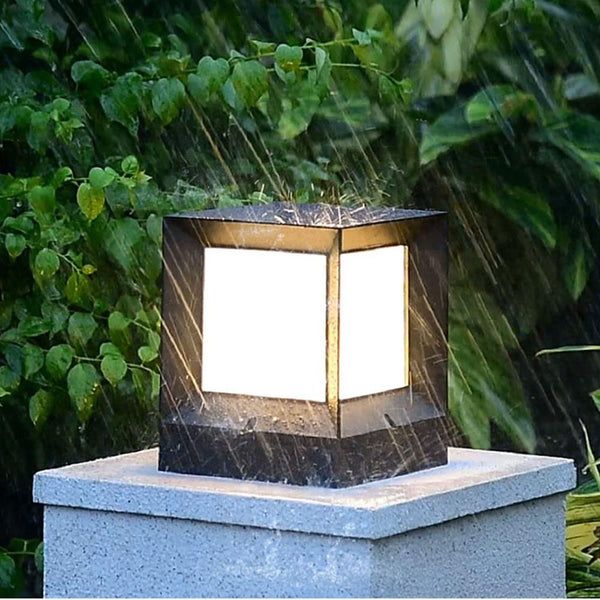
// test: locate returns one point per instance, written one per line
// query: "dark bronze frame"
(332, 444)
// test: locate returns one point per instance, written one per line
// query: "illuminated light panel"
(264, 323)
(372, 321)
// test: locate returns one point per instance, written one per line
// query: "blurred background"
(115, 113)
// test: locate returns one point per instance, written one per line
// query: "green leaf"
(332, 20)
(61, 175)
(81, 328)
(488, 102)
(580, 85)
(119, 198)
(14, 358)
(130, 165)
(362, 37)
(154, 340)
(262, 47)
(118, 322)
(477, 310)
(8, 571)
(392, 91)
(596, 398)
(147, 354)
(22, 224)
(7, 118)
(168, 97)
(250, 81)
(39, 131)
(15, 244)
(6, 311)
(437, 15)
(288, 58)
(57, 314)
(321, 58)
(77, 289)
(60, 105)
(38, 557)
(231, 97)
(113, 368)
(11, 335)
(90, 200)
(154, 228)
(154, 385)
(123, 101)
(32, 326)
(451, 45)
(450, 129)
(58, 360)
(42, 199)
(121, 237)
(9, 380)
(89, 74)
(100, 178)
(108, 348)
(528, 209)
(33, 360)
(198, 89)
(484, 387)
(209, 78)
(591, 464)
(577, 268)
(578, 136)
(497, 101)
(563, 349)
(388, 92)
(83, 383)
(46, 263)
(40, 407)
(294, 120)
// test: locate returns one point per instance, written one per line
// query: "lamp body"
(304, 343)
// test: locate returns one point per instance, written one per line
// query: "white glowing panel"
(372, 321)
(264, 323)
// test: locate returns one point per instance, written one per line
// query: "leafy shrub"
(21, 562)
(487, 109)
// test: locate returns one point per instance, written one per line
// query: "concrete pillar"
(487, 524)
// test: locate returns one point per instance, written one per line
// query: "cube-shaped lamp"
(304, 343)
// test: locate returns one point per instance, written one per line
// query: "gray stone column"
(488, 524)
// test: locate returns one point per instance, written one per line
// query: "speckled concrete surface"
(472, 482)
(488, 524)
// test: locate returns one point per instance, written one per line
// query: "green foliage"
(583, 533)
(583, 512)
(250, 81)
(19, 560)
(72, 264)
(103, 102)
(486, 109)
(168, 96)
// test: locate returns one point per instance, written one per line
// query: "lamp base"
(303, 460)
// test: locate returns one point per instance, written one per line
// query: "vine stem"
(99, 360)
(142, 326)
(592, 463)
(69, 261)
(305, 46)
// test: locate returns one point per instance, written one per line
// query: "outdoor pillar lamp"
(304, 343)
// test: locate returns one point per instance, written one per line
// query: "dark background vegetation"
(115, 113)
